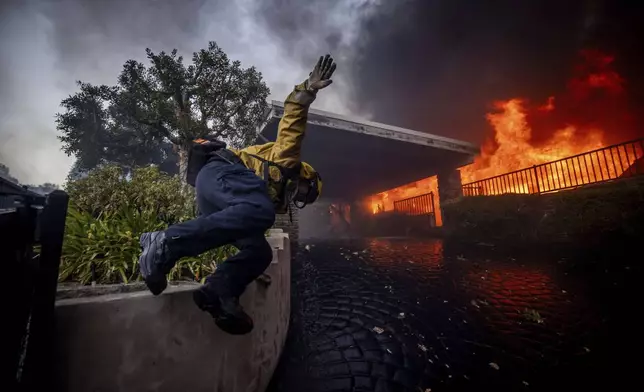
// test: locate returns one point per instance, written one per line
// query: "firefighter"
(238, 194)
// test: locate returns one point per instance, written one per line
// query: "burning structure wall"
(590, 114)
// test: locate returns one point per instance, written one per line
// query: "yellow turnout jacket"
(286, 150)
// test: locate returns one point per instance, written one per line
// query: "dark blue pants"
(234, 208)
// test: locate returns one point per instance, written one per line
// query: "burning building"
(591, 115)
(358, 158)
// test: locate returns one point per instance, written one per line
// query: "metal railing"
(601, 165)
(31, 237)
(417, 205)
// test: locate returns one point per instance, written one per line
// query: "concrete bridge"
(357, 158)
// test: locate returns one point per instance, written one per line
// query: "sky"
(48, 45)
(431, 65)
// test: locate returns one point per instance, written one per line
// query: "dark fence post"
(553, 173)
(39, 368)
(536, 178)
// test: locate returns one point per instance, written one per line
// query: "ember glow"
(590, 115)
(384, 201)
(513, 134)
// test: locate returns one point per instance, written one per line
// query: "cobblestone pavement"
(408, 315)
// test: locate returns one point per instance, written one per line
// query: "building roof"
(357, 158)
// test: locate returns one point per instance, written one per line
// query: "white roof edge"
(393, 128)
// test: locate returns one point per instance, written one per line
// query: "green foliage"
(109, 212)
(152, 112)
(106, 248)
(107, 190)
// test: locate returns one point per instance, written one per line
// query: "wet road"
(419, 315)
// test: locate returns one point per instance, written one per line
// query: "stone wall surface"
(133, 341)
(292, 228)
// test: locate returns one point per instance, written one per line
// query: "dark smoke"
(49, 44)
(430, 65)
(441, 70)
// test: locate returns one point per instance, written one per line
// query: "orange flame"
(384, 201)
(594, 100)
(513, 135)
(526, 135)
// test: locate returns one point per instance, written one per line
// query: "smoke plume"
(431, 65)
(48, 45)
(443, 68)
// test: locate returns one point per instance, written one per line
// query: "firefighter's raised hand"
(320, 77)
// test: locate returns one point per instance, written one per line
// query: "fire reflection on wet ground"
(410, 315)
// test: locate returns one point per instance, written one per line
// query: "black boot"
(229, 315)
(154, 262)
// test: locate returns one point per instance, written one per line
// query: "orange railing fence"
(417, 205)
(601, 165)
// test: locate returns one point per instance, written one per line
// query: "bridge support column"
(450, 188)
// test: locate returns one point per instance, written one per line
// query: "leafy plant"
(108, 213)
(153, 111)
(106, 249)
(107, 190)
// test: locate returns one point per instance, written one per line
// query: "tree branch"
(237, 110)
(178, 98)
(223, 96)
(197, 73)
(159, 127)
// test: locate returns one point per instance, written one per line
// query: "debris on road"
(494, 366)
(486, 244)
(401, 315)
(308, 248)
(532, 315)
(378, 330)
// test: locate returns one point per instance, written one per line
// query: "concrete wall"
(283, 222)
(132, 341)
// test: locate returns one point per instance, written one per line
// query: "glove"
(320, 77)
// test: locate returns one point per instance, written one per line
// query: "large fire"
(384, 201)
(594, 99)
(589, 115)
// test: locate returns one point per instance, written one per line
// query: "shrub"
(107, 215)
(107, 191)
